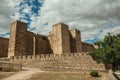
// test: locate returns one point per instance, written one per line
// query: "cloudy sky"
(95, 18)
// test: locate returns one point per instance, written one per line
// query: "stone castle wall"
(86, 47)
(70, 61)
(35, 50)
(65, 38)
(29, 42)
(22, 41)
(61, 40)
(42, 45)
(75, 41)
(4, 47)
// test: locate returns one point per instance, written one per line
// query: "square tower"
(75, 41)
(59, 39)
(17, 44)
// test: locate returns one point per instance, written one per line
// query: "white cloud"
(89, 16)
(11, 10)
(7, 9)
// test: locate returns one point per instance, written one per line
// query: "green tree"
(108, 51)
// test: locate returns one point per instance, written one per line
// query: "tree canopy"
(108, 51)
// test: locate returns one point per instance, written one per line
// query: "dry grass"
(62, 76)
(6, 74)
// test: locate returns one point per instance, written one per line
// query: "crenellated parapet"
(47, 56)
(40, 35)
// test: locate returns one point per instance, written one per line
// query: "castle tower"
(75, 41)
(59, 39)
(17, 44)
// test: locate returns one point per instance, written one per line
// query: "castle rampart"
(86, 47)
(76, 61)
(62, 49)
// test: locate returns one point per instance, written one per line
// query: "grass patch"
(118, 71)
(61, 76)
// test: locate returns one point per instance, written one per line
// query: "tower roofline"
(74, 29)
(3, 38)
(17, 21)
(60, 23)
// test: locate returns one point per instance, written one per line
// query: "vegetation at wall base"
(108, 51)
(117, 71)
(94, 73)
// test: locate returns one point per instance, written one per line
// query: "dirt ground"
(6, 74)
(37, 74)
(63, 76)
(25, 74)
(60, 76)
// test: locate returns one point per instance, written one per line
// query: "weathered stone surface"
(75, 41)
(59, 39)
(17, 39)
(4, 47)
(9, 66)
(87, 47)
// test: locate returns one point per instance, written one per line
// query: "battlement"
(40, 35)
(47, 56)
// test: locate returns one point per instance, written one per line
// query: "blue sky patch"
(35, 7)
(5, 34)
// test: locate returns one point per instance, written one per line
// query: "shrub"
(118, 71)
(94, 73)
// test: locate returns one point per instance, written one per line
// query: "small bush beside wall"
(94, 73)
